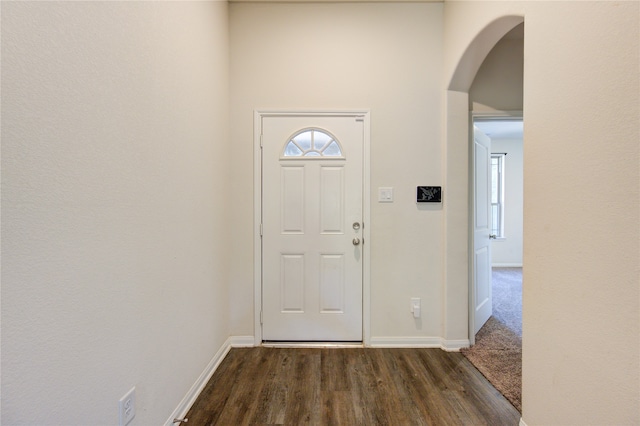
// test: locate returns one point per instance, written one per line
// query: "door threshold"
(279, 344)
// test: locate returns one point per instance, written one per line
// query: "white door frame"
(493, 115)
(257, 209)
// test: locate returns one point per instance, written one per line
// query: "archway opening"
(464, 99)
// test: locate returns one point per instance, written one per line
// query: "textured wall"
(384, 57)
(581, 315)
(116, 223)
(114, 148)
(581, 255)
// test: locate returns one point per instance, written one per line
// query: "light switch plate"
(385, 195)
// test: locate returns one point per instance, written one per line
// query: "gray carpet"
(506, 285)
(497, 353)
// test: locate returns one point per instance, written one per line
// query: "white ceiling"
(501, 129)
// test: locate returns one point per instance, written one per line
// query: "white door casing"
(481, 259)
(313, 233)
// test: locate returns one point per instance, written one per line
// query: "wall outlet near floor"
(415, 307)
(127, 407)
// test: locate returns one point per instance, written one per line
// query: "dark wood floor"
(349, 386)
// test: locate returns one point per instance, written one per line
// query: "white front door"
(312, 209)
(481, 230)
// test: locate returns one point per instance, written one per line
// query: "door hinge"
(260, 317)
(260, 230)
(261, 136)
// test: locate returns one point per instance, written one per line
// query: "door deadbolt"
(356, 225)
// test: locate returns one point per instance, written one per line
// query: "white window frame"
(499, 231)
(320, 155)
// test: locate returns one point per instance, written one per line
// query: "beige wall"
(114, 179)
(498, 84)
(126, 231)
(580, 321)
(383, 57)
(581, 282)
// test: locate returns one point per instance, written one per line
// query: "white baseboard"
(506, 265)
(455, 345)
(242, 341)
(522, 423)
(418, 342)
(198, 386)
(405, 342)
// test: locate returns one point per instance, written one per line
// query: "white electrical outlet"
(127, 407)
(415, 307)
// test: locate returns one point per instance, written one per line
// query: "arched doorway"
(459, 165)
(458, 132)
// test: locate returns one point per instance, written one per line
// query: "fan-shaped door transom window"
(313, 143)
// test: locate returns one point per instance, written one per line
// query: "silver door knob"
(356, 241)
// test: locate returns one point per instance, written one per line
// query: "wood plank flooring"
(349, 386)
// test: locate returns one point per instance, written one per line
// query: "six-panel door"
(312, 230)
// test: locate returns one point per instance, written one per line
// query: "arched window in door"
(313, 143)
